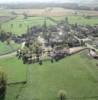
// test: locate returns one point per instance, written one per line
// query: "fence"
(83, 98)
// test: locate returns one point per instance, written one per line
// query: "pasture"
(45, 81)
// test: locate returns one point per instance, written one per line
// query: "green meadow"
(76, 74)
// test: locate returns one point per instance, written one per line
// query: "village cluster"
(56, 42)
(53, 42)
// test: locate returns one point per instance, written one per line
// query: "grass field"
(14, 69)
(82, 20)
(77, 75)
(31, 21)
(79, 20)
(4, 48)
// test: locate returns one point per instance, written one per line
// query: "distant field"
(82, 20)
(41, 12)
(54, 11)
(77, 75)
(39, 19)
(4, 12)
(79, 20)
(19, 20)
(31, 21)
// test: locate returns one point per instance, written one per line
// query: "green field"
(14, 69)
(79, 20)
(4, 48)
(25, 23)
(77, 75)
(82, 20)
(31, 21)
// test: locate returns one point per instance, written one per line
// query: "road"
(8, 55)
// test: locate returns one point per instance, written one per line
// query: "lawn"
(77, 75)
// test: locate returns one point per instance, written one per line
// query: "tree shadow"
(2, 93)
(2, 97)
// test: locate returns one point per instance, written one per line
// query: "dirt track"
(54, 12)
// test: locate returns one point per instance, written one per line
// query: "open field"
(31, 21)
(79, 20)
(83, 21)
(19, 20)
(45, 81)
(14, 69)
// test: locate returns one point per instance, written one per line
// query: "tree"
(66, 20)
(62, 95)
(11, 25)
(44, 26)
(0, 26)
(38, 53)
(48, 35)
(8, 38)
(3, 84)
(25, 16)
(2, 35)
